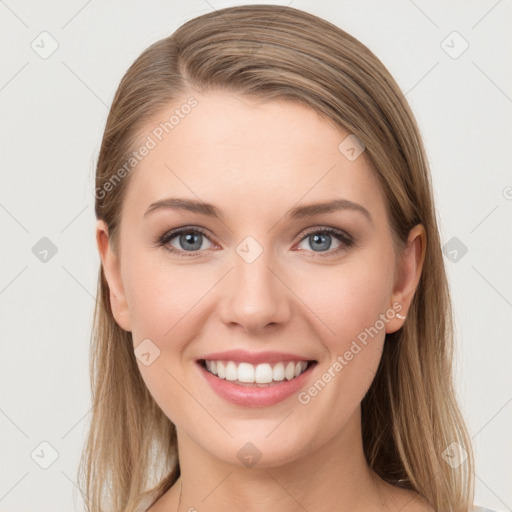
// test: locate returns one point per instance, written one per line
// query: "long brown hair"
(409, 415)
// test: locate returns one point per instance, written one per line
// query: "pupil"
(190, 239)
(321, 238)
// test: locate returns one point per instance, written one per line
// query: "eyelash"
(346, 240)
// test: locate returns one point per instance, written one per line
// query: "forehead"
(243, 153)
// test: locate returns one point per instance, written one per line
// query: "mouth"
(261, 375)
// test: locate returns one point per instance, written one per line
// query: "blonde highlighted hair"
(410, 414)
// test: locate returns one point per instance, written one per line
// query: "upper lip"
(242, 356)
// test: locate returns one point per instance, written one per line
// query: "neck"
(332, 477)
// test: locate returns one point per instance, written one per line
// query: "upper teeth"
(261, 374)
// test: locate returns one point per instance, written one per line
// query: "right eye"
(187, 240)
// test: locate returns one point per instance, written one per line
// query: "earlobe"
(411, 265)
(112, 270)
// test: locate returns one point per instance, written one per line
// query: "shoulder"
(409, 501)
(404, 500)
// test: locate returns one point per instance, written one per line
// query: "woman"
(273, 326)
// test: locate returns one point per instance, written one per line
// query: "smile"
(249, 379)
(261, 375)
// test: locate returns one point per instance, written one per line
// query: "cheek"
(162, 297)
(157, 299)
(348, 298)
(162, 310)
(351, 302)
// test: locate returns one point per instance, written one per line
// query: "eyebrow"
(299, 212)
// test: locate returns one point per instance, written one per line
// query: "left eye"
(321, 240)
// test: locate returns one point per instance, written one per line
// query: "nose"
(254, 295)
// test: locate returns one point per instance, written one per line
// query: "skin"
(254, 161)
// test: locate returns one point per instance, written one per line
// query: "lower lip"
(249, 396)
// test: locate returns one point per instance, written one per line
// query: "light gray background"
(53, 112)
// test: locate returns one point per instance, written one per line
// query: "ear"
(409, 273)
(112, 269)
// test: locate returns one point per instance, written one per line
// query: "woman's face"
(255, 273)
